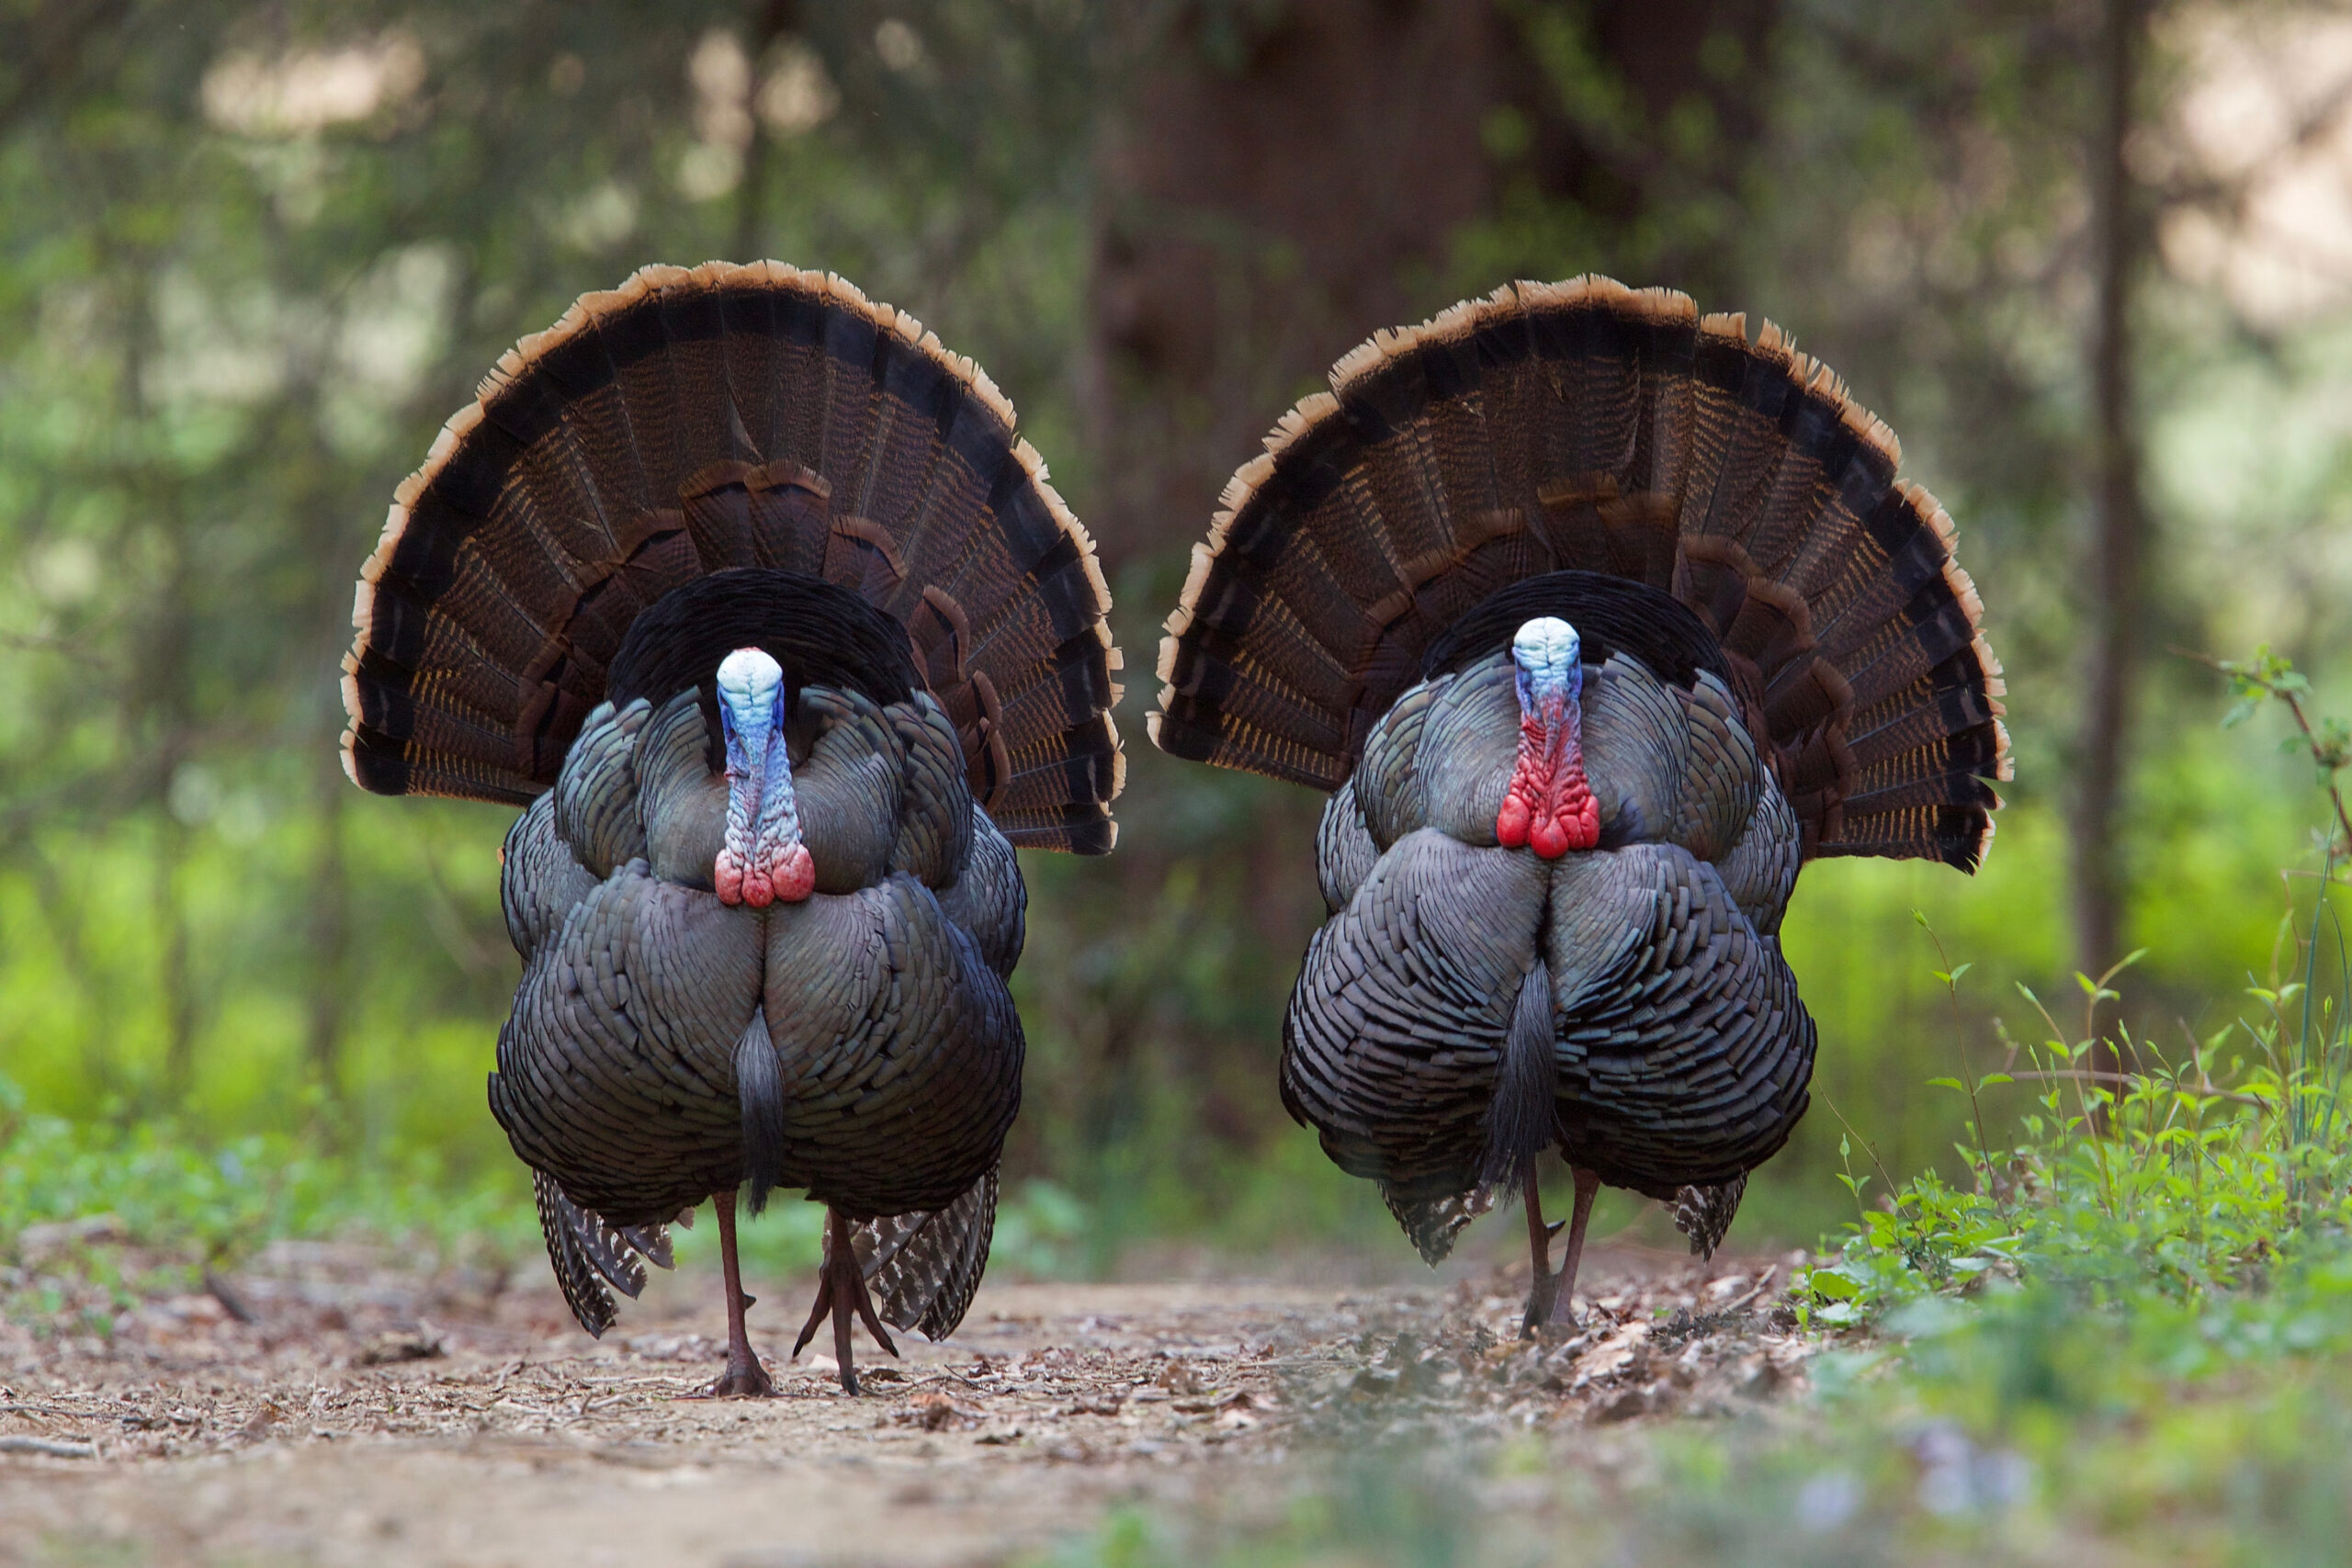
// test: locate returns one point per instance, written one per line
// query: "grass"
(188, 1205)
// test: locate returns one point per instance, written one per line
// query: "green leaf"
(1947, 1083)
(2239, 711)
(1832, 1286)
(1989, 1079)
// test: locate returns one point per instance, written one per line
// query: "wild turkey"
(744, 588)
(1596, 619)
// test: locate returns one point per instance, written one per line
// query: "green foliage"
(1385, 1507)
(2274, 676)
(2168, 1178)
(185, 1208)
(218, 1203)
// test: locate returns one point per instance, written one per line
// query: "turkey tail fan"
(1585, 430)
(693, 421)
(922, 1268)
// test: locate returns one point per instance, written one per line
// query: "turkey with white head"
(1597, 619)
(746, 589)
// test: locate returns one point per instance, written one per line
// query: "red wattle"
(1548, 806)
(727, 876)
(797, 877)
(1578, 814)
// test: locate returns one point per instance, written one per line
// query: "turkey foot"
(841, 1295)
(1551, 1289)
(744, 1377)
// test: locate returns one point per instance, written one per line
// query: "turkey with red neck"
(743, 587)
(1548, 806)
(1596, 619)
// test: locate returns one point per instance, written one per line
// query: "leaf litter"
(452, 1404)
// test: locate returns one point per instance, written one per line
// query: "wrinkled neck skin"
(762, 860)
(1549, 806)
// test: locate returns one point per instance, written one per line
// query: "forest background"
(2091, 259)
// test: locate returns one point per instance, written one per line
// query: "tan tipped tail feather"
(1589, 426)
(695, 421)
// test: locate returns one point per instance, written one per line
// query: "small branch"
(2319, 750)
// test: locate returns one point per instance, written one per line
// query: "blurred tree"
(2116, 608)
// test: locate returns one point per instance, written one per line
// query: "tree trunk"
(774, 20)
(2118, 520)
(164, 693)
(1271, 191)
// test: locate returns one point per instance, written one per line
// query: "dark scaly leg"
(1547, 1289)
(1588, 1188)
(1552, 1290)
(841, 1295)
(744, 1377)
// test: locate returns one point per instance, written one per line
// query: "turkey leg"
(841, 1295)
(1552, 1289)
(744, 1377)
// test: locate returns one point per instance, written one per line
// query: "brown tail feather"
(690, 421)
(1587, 426)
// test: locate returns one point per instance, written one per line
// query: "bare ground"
(371, 1414)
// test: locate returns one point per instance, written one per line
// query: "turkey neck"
(1549, 806)
(763, 860)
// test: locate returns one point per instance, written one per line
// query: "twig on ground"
(49, 1448)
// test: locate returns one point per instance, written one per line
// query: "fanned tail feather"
(1433, 1223)
(593, 1259)
(1585, 427)
(922, 1268)
(691, 421)
(1704, 1213)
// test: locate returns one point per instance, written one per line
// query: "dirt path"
(367, 1416)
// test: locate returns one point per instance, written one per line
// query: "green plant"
(2196, 1174)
